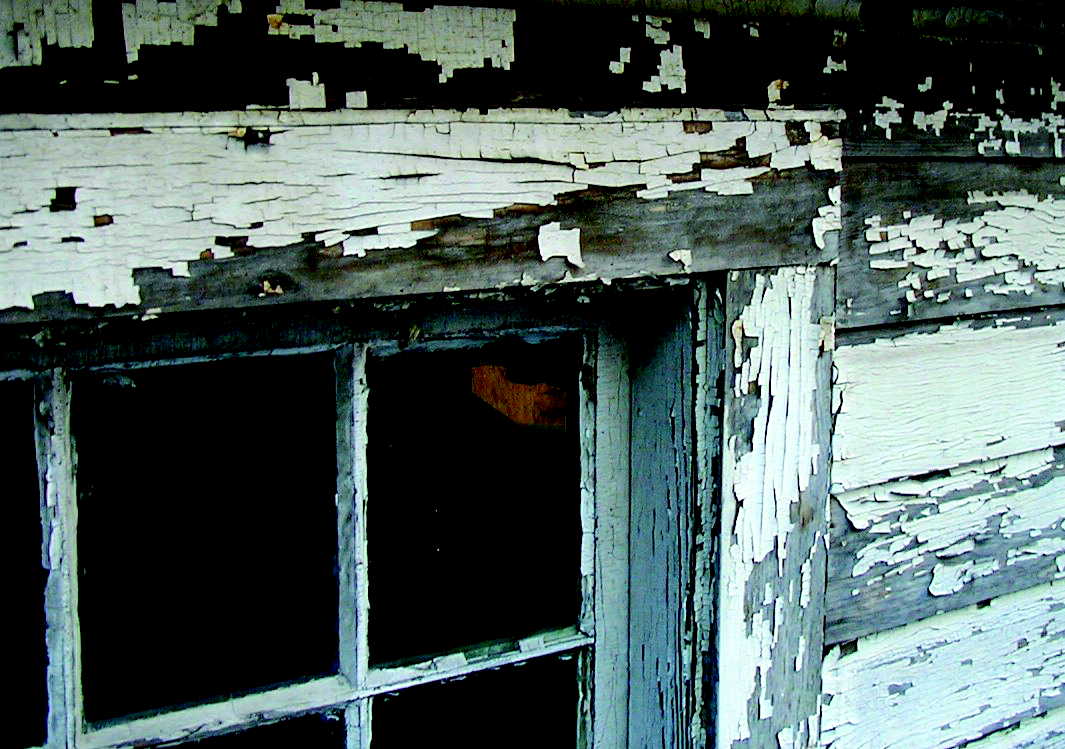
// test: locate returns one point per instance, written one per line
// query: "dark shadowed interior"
(473, 517)
(207, 530)
(27, 659)
(528, 705)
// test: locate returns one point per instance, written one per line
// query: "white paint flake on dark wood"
(951, 679)
(774, 520)
(911, 548)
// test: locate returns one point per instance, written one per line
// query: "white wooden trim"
(178, 361)
(586, 411)
(358, 722)
(209, 720)
(379, 681)
(59, 518)
(359, 554)
(320, 694)
(351, 490)
(611, 658)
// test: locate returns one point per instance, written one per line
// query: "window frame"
(632, 358)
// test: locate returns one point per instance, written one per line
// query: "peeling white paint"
(684, 257)
(776, 352)
(1041, 732)
(1020, 240)
(29, 25)
(361, 184)
(831, 66)
(455, 37)
(887, 114)
(306, 94)
(829, 218)
(901, 399)
(554, 241)
(950, 679)
(159, 23)
(671, 75)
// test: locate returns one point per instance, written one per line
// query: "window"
(454, 526)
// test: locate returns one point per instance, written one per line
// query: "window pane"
(26, 661)
(309, 732)
(534, 704)
(207, 530)
(473, 516)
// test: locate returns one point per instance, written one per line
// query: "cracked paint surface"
(950, 679)
(1018, 236)
(776, 348)
(952, 529)
(900, 401)
(357, 187)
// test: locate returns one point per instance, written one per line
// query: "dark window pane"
(473, 517)
(534, 704)
(26, 661)
(309, 732)
(207, 530)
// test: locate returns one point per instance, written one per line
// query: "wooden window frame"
(640, 674)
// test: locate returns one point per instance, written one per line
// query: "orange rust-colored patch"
(536, 404)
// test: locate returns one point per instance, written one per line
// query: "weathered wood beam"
(416, 205)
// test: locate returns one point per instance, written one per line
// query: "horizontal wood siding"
(934, 239)
(911, 403)
(956, 678)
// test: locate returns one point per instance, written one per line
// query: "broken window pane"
(207, 530)
(27, 661)
(531, 704)
(325, 731)
(473, 515)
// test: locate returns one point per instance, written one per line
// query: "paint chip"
(554, 241)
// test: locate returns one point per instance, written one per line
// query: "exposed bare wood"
(909, 549)
(925, 240)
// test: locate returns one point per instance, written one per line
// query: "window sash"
(602, 637)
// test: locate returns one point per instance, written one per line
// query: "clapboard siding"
(951, 679)
(933, 239)
(1042, 732)
(909, 549)
(910, 403)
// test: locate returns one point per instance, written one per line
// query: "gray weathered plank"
(611, 439)
(660, 359)
(774, 500)
(931, 239)
(910, 549)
